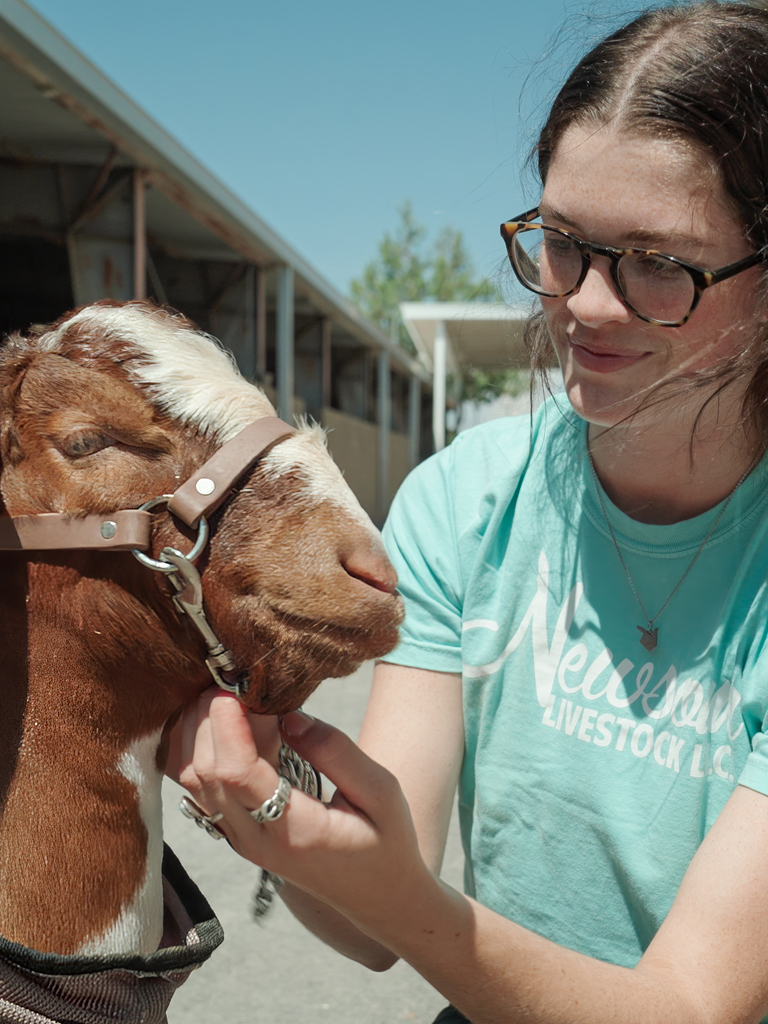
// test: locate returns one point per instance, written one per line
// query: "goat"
(110, 407)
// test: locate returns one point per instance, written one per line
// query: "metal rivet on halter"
(205, 485)
(108, 529)
(192, 556)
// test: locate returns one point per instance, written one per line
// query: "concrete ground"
(276, 972)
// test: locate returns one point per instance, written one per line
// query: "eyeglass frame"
(700, 276)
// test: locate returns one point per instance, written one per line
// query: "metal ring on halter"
(271, 809)
(205, 821)
(194, 554)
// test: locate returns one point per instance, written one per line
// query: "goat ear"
(8, 442)
(11, 378)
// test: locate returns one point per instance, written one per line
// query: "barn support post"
(439, 371)
(325, 360)
(154, 280)
(384, 402)
(249, 334)
(139, 235)
(414, 421)
(285, 346)
(261, 322)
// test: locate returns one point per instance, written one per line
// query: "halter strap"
(208, 487)
(127, 529)
(117, 531)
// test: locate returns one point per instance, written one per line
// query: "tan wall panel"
(299, 405)
(353, 445)
(399, 461)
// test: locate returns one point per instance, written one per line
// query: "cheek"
(736, 307)
(724, 324)
(555, 314)
(557, 318)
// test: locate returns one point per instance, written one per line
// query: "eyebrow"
(651, 239)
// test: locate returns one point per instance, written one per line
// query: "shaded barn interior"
(97, 201)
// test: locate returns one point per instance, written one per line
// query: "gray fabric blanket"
(44, 988)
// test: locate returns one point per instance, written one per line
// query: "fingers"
(339, 851)
(194, 740)
(225, 760)
(266, 736)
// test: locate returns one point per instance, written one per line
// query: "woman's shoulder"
(503, 448)
(486, 463)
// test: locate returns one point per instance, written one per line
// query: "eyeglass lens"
(551, 264)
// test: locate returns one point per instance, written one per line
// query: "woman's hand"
(193, 723)
(359, 855)
(359, 852)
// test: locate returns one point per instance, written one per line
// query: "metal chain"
(692, 562)
(305, 777)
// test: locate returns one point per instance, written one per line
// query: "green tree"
(408, 268)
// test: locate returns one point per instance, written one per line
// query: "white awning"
(452, 337)
(488, 335)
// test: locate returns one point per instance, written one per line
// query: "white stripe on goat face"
(306, 454)
(189, 376)
(184, 372)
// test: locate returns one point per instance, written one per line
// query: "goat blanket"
(45, 988)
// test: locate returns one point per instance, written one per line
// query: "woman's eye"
(657, 267)
(86, 444)
(558, 246)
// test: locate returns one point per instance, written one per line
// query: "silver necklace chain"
(649, 637)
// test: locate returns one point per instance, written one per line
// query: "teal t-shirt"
(593, 768)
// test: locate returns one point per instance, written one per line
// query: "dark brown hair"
(695, 73)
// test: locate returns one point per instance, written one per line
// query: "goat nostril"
(380, 577)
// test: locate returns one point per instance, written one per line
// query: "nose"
(368, 563)
(597, 302)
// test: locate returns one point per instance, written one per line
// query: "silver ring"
(271, 809)
(205, 821)
(169, 567)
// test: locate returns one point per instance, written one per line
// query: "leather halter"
(129, 529)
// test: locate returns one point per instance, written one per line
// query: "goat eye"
(86, 444)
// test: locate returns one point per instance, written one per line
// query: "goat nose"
(370, 565)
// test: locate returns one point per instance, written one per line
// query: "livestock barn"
(97, 201)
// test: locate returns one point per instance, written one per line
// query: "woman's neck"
(659, 476)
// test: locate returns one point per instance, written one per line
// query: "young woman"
(584, 649)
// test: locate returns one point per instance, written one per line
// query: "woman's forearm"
(333, 928)
(497, 972)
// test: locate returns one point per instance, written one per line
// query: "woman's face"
(623, 190)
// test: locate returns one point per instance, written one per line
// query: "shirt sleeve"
(420, 536)
(753, 714)
(755, 774)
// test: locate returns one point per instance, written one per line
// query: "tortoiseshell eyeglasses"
(656, 287)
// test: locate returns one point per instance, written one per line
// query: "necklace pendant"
(649, 639)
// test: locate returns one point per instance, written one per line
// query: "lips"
(604, 360)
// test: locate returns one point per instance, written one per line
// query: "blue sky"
(324, 117)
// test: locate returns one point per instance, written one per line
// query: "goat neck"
(81, 831)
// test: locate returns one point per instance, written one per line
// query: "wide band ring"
(205, 821)
(271, 809)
